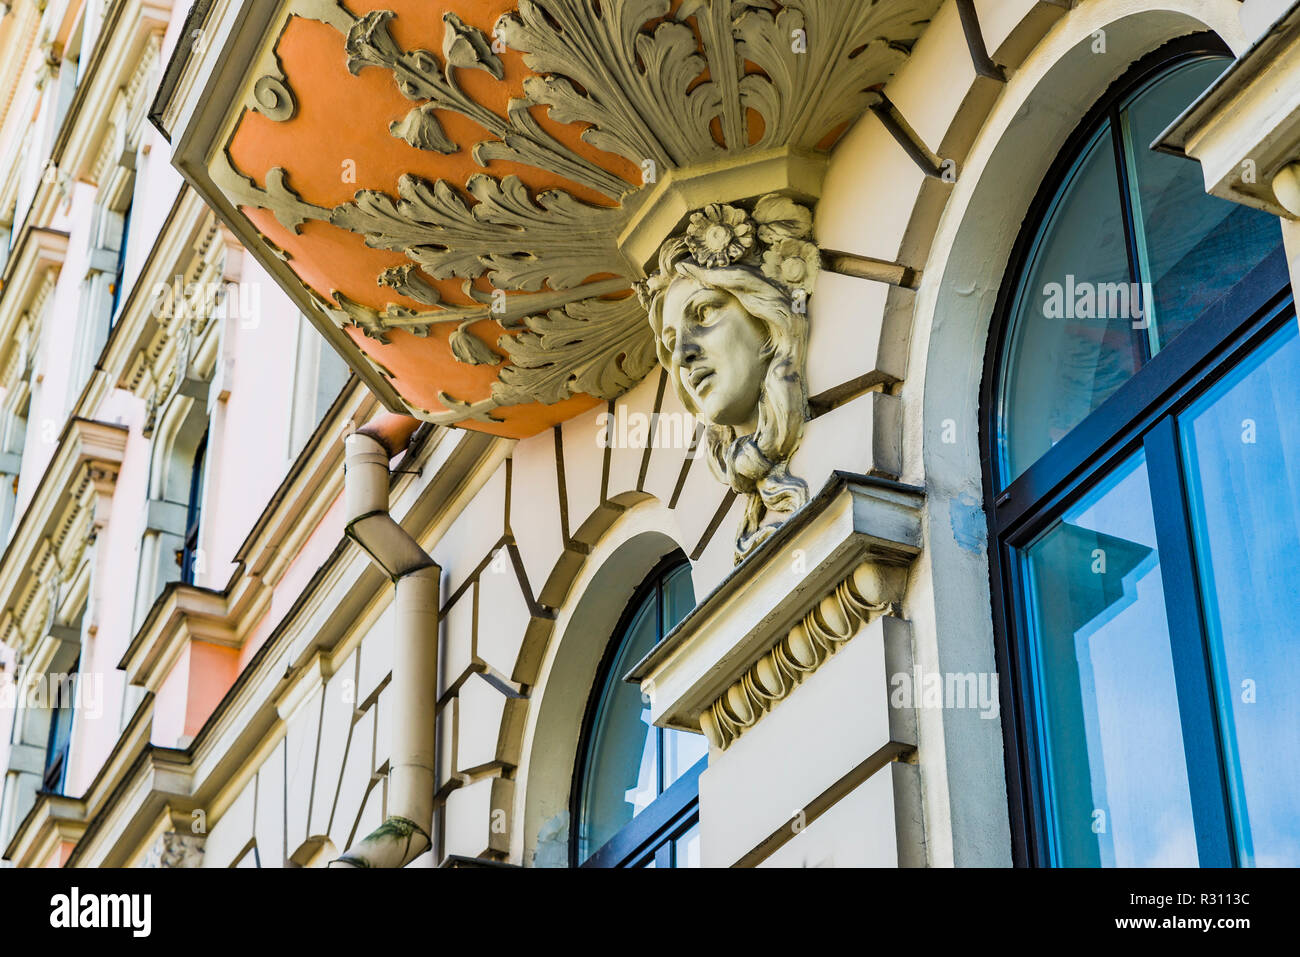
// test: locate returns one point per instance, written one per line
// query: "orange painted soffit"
(471, 189)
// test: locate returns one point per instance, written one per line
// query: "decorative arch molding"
(969, 247)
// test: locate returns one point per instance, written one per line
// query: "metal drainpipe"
(406, 832)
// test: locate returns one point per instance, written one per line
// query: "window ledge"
(1245, 128)
(185, 613)
(857, 535)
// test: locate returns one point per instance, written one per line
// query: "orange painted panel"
(338, 143)
(213, 669)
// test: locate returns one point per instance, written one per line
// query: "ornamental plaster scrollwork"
(518, 242)
(272, 96)
(665, 87)
(594, 346)
(871, 590)
(420, 77)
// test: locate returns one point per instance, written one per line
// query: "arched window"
(636, 791)
(1141, 465)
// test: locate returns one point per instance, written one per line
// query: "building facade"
(692, 433)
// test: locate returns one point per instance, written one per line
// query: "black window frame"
(194, 513)
(119, 274)
(650, 835)
(1138, 415)
(55, 773)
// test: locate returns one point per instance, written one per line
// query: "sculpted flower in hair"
(779, 217)
(719, 235)
(793, 263)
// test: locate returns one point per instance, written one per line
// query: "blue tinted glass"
(623, 760)
(686, 849)
(682, 749)
(630, 762)
(1068, 352)
(1241, 444)
(1194, 247)
(1115, 774)
(1080, 314)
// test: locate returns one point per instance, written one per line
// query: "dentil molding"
(838, 564)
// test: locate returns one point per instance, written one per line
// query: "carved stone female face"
(715, 352)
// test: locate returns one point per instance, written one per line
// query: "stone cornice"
(118, 57)
(71, 502)
(54, 820)
(172, 317)
(149, 786)
(17, 31)
(136, 322)
(138, 782)
(17, 40)
(115, 63)
(1245, 129)
(183, 613)
(131, 745)
(871, 590)
(36, 260)
(839, 561)
(186, 613)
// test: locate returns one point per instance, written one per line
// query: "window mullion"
(1133, 241)
(1192, 675)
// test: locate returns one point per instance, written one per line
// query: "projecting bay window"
(1143, 467)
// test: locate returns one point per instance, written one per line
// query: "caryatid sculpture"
(728, 306)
